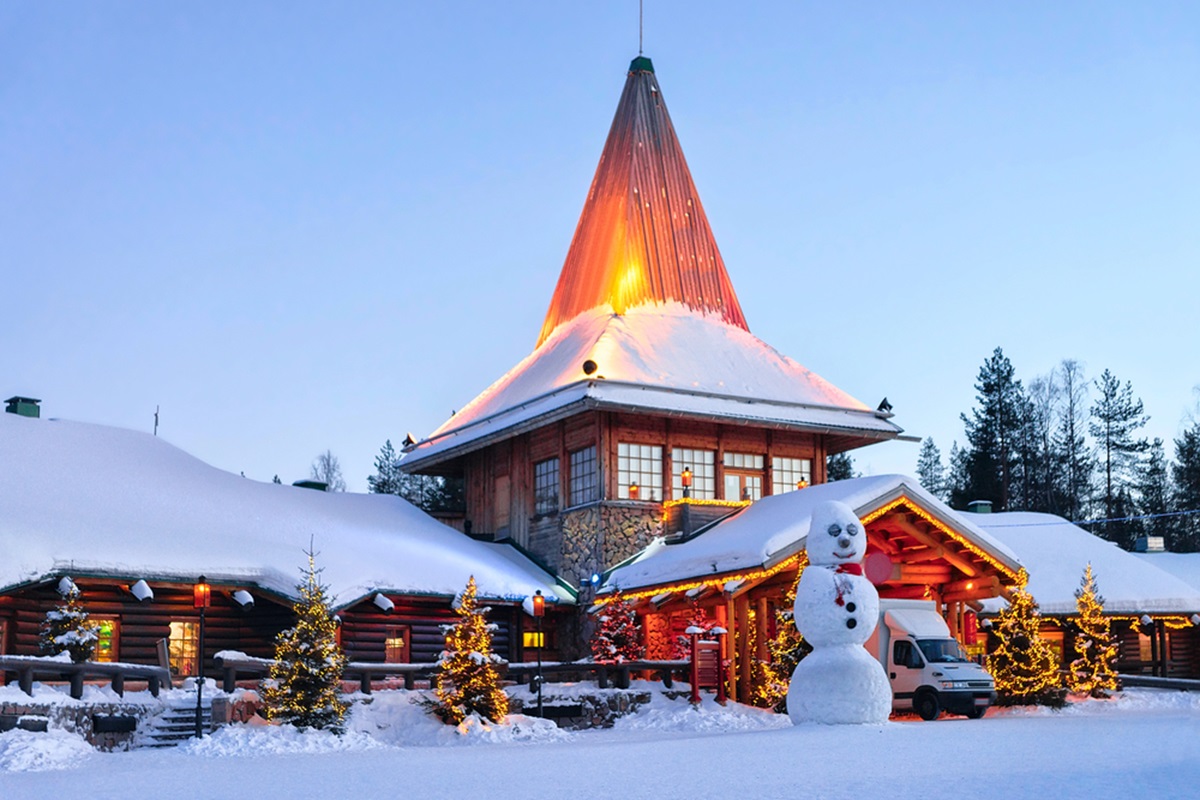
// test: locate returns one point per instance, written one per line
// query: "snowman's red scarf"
(842, 588)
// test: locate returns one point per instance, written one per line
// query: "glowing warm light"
(633, 491)
(801, 484)
(686, 478)
(715, 582)
(201, 594)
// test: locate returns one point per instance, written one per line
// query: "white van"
(928, 671)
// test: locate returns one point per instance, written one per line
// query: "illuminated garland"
(307, 673)
(712, 583)
(617, 637)
(67, 628)
(1022, 663)
(696, 501)
(1093, 671)
(467, 681)
(973, 548)
(785, 649)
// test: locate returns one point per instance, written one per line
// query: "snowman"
(836, 611)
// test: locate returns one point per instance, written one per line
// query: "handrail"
(27, 667)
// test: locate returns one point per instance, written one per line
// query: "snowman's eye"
(852, 529)
(835, 529)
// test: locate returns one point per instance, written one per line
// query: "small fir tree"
(839, 467)
(67, 628)
(1022, 663)
(617, 637)
(305, 679)
(1092, 672)
(930, 470)
(787, 647)
(1186, 472)
(467, 680)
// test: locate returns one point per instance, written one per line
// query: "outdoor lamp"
(201, 594)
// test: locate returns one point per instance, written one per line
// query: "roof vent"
(24, 406)
(980, 506)
(1149, 544)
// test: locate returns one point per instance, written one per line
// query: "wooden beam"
(954, 558)
(928, 554)
(907, 592)
(985, 583)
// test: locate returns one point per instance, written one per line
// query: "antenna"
(640, 2)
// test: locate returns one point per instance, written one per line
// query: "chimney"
(1149, 544)
(23, 406)
(980, 506)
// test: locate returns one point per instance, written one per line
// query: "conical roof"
(643, 236)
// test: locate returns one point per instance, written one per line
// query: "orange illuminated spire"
(643, 236)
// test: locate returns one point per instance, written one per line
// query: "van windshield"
(941, 651)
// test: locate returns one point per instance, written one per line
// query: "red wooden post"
(720, 667)
(695, 667)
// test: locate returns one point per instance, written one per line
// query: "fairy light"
(1093, 671)
(1022, 663)
(467, 681)
(716, 582)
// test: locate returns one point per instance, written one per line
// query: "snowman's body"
(836, 611)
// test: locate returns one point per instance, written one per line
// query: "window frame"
(783, 465)
(704, 475)
(403, 651)
(114, 638)
(648, 474)
(182, 648)
(583, 476)
(547, 479)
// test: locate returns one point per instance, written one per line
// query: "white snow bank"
(26, 751)
(401, 718)
(252, 741)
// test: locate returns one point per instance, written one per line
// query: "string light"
(1092, 672)
(467, 681)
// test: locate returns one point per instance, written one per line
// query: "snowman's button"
(850, 607)
(850, 623)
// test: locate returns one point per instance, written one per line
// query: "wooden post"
(729, 650)
(695, 671)
(118, 684)
(742, 612)
(760, 629)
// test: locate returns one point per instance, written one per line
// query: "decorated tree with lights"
(1092, 672)
(787, 647)
(1022, 663)
(467, 680)
(67, 628)
(617, 637)
(302, 689)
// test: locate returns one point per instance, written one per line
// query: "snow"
(776, 527)
(655, 357)
(1185, 566)
(89, 499)
(1056, 553)
(1141, 743)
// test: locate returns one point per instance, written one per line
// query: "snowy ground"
(1144, 743)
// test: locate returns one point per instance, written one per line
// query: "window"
(396, 645)
(106, 641)
(702, 463)
(787, 473)
(545, 486)
(743, 476)
(639, 465)
(905, 655)
(183, 644)
(585, 477)
(534, 639)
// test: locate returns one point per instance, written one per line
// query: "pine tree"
(276, 480)
(1041, 463)
(930, 470)
(786, 648)
(1093, 671)
(1022, 663)
(956, 476)
(617, 636)
(1186, 471)
(1116, 417)
(467, 680)
(839, 467)
(303, 686)
(67, 628)
(388, 479)
(993, 429)
(1155, 496)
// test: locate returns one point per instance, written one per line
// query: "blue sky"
(305, 226)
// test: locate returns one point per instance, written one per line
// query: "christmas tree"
(1022, 663)
(305, 679)
(618, 636)
(467, 681)
(67, 628)
(1092, 670)
(787, 647)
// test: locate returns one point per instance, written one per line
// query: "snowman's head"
(835, 535)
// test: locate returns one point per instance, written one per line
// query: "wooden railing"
(237, 665)
(29, 667)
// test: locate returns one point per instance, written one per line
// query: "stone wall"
(602, 535)
(106, 726)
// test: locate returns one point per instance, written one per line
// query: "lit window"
(182, 645)
(639, 465)
(545, 486)
(585, 478)
(788, 474)
(395, 645)
(106, 641)
(534, 639)
(702, 463)
(743, 476)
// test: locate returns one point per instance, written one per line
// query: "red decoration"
(877, 567)
(201, 594)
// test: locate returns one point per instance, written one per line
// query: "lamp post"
(539, 611)
(686, 479)
(201, 594)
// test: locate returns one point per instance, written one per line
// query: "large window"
(183, 645)
(545, 486)
(743, 476)
(639, 465)
(106, 641)
(702, 463)
(396, 645)
(789, 474)
(585, 477)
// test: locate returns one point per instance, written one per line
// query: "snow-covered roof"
(775, 527)
(663, 357)
(1055, 553)
(94, 500)
(1185, 566)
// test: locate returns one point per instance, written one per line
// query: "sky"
(308, 226)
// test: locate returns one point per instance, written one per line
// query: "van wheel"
(927, 706)
(977, 713)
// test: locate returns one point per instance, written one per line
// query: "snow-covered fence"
(55, 668)
(1152, 682)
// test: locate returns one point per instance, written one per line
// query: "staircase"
(175, 724)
